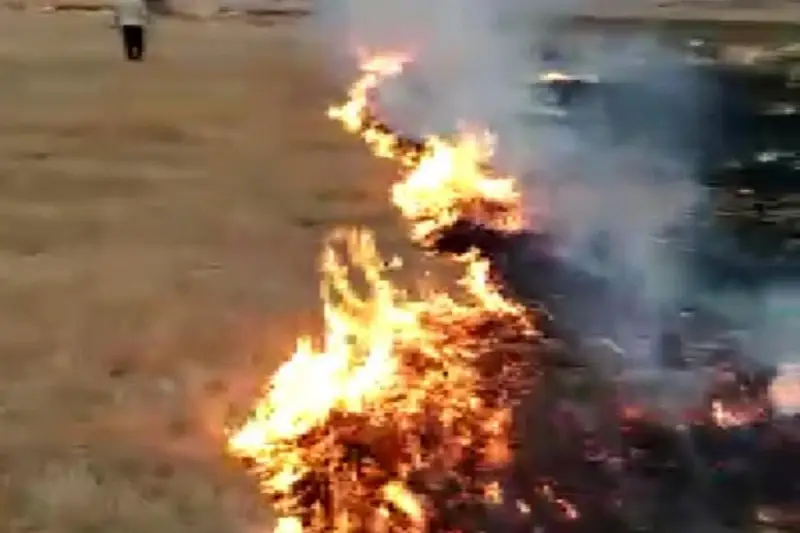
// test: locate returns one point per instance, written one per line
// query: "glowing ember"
(354, 114)
(401, 422)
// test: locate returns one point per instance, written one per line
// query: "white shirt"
(130, 13)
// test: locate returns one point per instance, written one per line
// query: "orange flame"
(393, 361)
(397, 396)
(451, 182)
(445, 180)
(352, 114)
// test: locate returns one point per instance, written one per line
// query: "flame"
(407, 397)
(397, 380)
(401, 421)
(451, 182)
(353, 114)
(730, 415)
(408, 400)
(445, 180)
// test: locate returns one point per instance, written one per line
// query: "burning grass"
(407, 403)
(417, 414)
(408, 418)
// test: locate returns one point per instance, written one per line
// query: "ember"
(460, 411)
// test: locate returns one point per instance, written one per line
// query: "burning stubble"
(441, 414)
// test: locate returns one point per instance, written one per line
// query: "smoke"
(619, 183)
(473, 62)
(471, 57)
(615, 182)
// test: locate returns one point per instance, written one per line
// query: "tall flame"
(408, 400)
(443, 180)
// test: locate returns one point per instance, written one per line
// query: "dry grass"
(158, 229)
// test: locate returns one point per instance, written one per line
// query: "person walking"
(131, 18)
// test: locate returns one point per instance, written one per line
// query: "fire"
(404, 418)
(451, 183)
(444, 180)
(408, 401)
(353, 114)
(401, 395)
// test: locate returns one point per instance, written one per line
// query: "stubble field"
(159, 224)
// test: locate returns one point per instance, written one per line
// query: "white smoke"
(471, 57)
(472, 63)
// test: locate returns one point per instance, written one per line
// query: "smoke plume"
(616, 182)
(587, 183)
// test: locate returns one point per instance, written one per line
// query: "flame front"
(444, 180)
(408, 402)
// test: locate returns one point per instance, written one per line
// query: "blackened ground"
(632, 474)
(651, 474)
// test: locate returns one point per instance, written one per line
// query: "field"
(159, 224)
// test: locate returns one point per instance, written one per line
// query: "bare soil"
(159, 224)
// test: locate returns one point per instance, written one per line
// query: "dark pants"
(133, 38)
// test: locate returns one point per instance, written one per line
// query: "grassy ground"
(158, 230)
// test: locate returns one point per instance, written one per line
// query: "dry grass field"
(159, 224)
